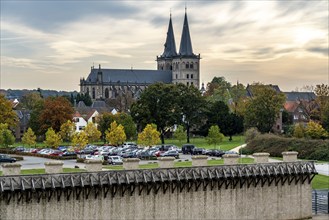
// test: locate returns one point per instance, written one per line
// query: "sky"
(52, 44)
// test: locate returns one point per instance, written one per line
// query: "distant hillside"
(18, 93)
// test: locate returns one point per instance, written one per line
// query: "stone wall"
(274, 202)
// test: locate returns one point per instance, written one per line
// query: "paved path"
(237, 149)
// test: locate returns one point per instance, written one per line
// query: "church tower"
(165, 60)
(186, 65)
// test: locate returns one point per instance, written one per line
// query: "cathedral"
(172, 67)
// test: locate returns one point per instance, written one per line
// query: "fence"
(320, 204)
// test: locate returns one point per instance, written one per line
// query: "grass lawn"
(202, 142)
(320, 182)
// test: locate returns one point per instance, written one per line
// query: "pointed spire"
(185, 43)
(170, 45)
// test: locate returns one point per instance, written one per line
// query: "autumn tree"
(149, 136)
(116, 134)
(264, 108)
(66, 131)
(29, 137)
(315, 131)
(7, 114)
(6, 136)
(92, 132)
(56, 111)
(214, 136)
(299, 131)
(180, 133)
(52, 138)
(80, 139)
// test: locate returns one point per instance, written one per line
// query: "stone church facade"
(172, 67)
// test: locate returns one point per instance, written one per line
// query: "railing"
(320, 201)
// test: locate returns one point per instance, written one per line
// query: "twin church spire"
(185, 43)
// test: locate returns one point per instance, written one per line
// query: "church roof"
(131, 76)
(170, 45)
(186, 43)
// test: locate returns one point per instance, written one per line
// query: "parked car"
(187, 148)
(6, 159)
(115, 160)
(170, 153)
(215, 153)
(197, 151)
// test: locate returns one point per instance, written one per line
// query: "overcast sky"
(51, 44)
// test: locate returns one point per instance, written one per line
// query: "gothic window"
(191, 76)
(187, 65)
(191, 65)
(94, 93)
(191, 83)
(176, 76)
(183, 64)
(187, 84)
(187, 76)
(177, 66)
(106, 93)
(170, 67)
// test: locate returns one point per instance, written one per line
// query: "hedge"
(275, 145)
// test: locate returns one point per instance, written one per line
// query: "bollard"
(54, 167)
(94, 165)
(261, 157)
(199, 161)
(231, 159)
(166, 162)
(9, 169)
(289, 156)
(131, 163)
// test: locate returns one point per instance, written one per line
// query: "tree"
(299, 131)
(264, 108)
(92, 132)
(190, 104)
(6, 136)
(56, 111)
(29, 137)
(218, 90)
(85, 98)
(7, 116)
(180, 133)
(31, 100)
(214, 136)
(149, 136)
(80, 139)
(325, 116)
(67, 130)
(158, 105)
(116, 134)
(35, 122)
(315, 131)
(52, 139)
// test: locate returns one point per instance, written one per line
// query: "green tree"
(29, 137)
(191, 107)
(116, 134)
(218, 90)
(92, 132)
(56, 111)
(214, 136)
(264, 108)
(52, 139)
(7, 116)
(6, 136)
(299, 131)
(80, 139)
(149, 136)
(31, 100)
(67, 130)
(158, 105)
(35, 122)
(315, 130)
(180, 133)
(85, 97)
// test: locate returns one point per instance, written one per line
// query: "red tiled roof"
(291, 106)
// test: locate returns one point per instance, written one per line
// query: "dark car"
(197, 151)
(187, 148)
(6, 159)
(215, 153)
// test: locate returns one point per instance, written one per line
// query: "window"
(176, 76)
(191, 83)
(187, 65)
(106, 93)
(191, 76)
(81, 128)
(76, 119)
(187, 84)
(93, 119)
(94, 93)
(191, 66)
(176, 66)
(295, 117)
(187, 76)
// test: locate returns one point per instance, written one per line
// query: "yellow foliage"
(52, 139)
(92, 132)
(29, 137)
(67, 130)
(116, 134)
(80, 139)
(149, 136)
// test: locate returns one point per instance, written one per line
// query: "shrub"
(80, 160)
(251, 134)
